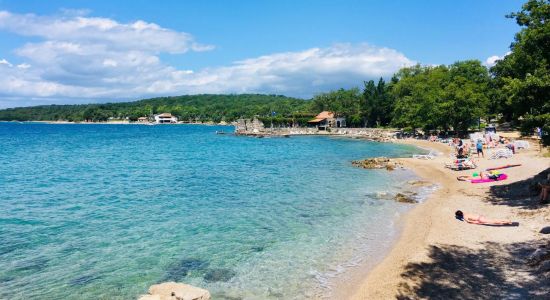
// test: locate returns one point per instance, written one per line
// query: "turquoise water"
(104, 211)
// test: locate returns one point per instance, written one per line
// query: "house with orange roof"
(327, 119)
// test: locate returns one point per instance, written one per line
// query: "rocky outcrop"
(175, 291)
(377, 163)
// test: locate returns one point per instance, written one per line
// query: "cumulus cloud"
(301, 73)
(137, 36)
(82, 59)
(492, 60)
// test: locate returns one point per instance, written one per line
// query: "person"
(480, 220)
(460, 149)
(494, 175)
(510, 146)
(479, 148)
(544, 190)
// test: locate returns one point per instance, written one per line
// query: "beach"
(438, 256)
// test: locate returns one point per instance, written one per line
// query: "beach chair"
(501, 153)
(462, 164)
(521, 144)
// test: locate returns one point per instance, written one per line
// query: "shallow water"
(104, 211)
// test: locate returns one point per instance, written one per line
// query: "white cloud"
(301, 73)
(138, 36)
(3, 61)
(492, 60)
(23, 66)
(82, 59)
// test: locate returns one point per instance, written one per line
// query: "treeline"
(419, 97)
(203, 108)
(458, 96)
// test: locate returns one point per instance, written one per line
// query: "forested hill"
(189, 107)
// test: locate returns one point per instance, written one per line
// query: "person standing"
(479, 148)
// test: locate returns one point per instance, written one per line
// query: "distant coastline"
(117, 122)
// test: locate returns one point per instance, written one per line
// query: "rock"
(545, 230)
(175, 291)
(419, 183)
(215, 275)
(545, 266)
(402, 198)
(377, 163)
(538, 256)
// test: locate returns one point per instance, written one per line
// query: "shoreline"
(431, 223)
(118, 122)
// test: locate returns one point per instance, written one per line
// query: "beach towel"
(500, 177)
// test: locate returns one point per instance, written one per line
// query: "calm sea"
(104, 211)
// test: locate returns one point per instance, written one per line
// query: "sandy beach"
(440, 257)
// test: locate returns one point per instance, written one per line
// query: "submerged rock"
(179, 270)
(377, 163)
(214, 275)
(419, 183)
(84, 280)
(175, 291)
(402, 198)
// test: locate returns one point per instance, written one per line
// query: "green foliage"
(542, 121)
(345, 103)
(187, 108)
(373, 107)
(377, 104)
(440, 97)
(522, 78)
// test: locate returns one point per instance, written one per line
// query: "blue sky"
(98, 51)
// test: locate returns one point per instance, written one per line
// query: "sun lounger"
(521, 144)
(461, 164)
(501, 153)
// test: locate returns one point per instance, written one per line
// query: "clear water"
(104, 211)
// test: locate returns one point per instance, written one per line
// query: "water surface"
(104, 211)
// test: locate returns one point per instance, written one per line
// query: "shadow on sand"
(462, 273)
(521, 194)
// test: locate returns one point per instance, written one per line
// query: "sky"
(73, 52)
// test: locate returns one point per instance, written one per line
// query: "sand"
(440, 257)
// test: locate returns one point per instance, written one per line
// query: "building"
(143, 120)
(327, 119)
(165, 118)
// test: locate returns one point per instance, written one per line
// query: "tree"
(346, 103)
(523, 76)
(440, 97)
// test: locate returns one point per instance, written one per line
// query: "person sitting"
(481, 220)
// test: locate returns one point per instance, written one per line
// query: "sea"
(105, 211)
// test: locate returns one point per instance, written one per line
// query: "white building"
(165, 118)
